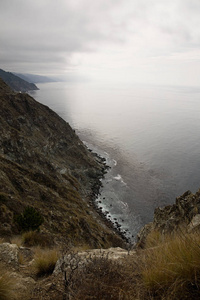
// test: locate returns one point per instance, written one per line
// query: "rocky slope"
(44, 164)
(17, 83)
(183, 216)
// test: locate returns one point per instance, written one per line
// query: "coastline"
(96, 187)
(110, 201)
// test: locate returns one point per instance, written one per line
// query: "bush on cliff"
(30, 219)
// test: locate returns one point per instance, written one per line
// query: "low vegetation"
(45, 261)
(17, 240)
(169, 269)
(172, 269)
(34, 238)
(102, 278)
(30, 219)
(6, 286)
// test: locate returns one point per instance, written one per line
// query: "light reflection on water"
(152, 133)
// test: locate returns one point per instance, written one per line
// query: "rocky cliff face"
(184, 215)
(44, 164)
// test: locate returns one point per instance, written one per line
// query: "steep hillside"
(44, 164)
(17, 83)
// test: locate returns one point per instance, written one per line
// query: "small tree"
(30, 219)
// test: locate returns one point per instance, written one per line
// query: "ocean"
(149, 136)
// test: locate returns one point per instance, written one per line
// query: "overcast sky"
(146, 41)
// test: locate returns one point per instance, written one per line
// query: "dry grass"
(2, 240)
(17, 240)
(154, 239)
(102, 278)
(6, 286)
(169, 270)
(172, 270)
(45, 261)
(34, 238)
(21, 259)
(82, 247)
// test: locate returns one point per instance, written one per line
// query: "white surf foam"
(119, 178)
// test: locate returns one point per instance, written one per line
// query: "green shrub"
(30, 219)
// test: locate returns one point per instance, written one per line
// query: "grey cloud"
(49, 28)
(44, 34)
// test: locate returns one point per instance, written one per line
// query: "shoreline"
(97, 185)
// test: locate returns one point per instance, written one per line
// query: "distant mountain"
(16, 83)
(35, 78)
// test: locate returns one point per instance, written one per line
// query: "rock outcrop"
(9, 255)
(184, 214)
(81, 258)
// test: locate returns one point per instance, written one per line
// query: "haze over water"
(149, 135)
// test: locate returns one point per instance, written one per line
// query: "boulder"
(9, 254)
(75, 260)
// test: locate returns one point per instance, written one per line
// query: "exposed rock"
(184, 213)
(9, 254)
(194, 224)
(23, 285)
(83, 257)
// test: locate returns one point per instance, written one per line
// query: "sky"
(116, 41)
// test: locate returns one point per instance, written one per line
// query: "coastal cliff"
(44, 164)
(16, 83)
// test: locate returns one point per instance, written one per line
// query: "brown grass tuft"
(17, 240)
(6, 286)
(172, 269)
(154, 239)
(35, 238)
(2, 240)
(45, 261)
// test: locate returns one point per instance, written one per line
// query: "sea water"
(149, 136)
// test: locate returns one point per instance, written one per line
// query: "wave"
(114, 162)
(119, 178)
